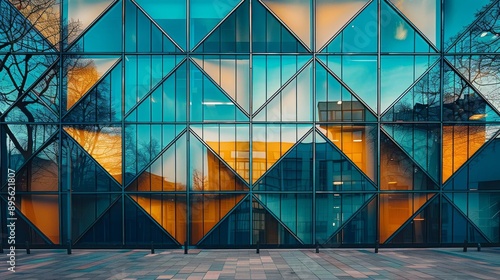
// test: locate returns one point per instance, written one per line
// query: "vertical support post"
(185, 247)
(68, 249)
(152, 247)
(376, 246)
(258, 247)
(465, 245)
(317, 247)
(28, 250)
(479, 247)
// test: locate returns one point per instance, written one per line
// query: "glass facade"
(229, 123)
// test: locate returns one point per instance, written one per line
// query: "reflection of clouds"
(288, 10)
(414, 11)
(85, 11)
(401, 32)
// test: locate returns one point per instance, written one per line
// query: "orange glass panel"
(331, 16)
(45, 16)
(356, 142)
(288, 10)
(43, 212)
(207, 210)
(460, 142)
(167, 210)
(83, 74)
(104, 144)
(396, 209)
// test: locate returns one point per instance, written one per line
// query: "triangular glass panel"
(293, 210)
(271, 72)
(460, 142)
(206, 15)
(333, 210)
(463, 103)
(82, 74)
(293, 103)
(87, 209)
(79, 15)
(81, 173)
(268, 230)
(29, 28)
(332, 16)
(105, 34)
(421, 102)
(207, 210)
(25, 230)
(231, 73)
(166, 173)
(23, 72)
(360, 229)
(40, 173)
(30, 109)
(102, 103)
(269, 35)
(24, 140)
(455, 227)
(357, 142)
(293, 172)
(234, 230)
(483, 35)
(208, 102)
(423, 228)
(480, 173)
(404, 69)
(170, 15)
(335, 172)
(421, 142)
(43, 212)
(143, 35)
(353, 69)
(482, 73)
(164, 213)
(103, 143)
(162, 96)
(398, 171)
(207, 171)
(271, 142)
(232, 35)
(336, 102)
(107, 230)
(428, 25)
(397, 35)
(143, 143)
(396, 209)
(287, 12)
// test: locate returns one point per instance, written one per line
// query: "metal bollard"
(185, 247)
(28, 251)
(479, 247)
(376, 246)
(68, 249)
(317, 246)
(258, 247)
(152, 247)
(1, 248)
(465, 245)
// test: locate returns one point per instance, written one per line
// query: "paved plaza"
(449, 263)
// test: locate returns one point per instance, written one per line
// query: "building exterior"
(229, 123)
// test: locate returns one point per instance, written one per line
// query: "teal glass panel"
(232, 35)
(269, 230)
(293, 210)
(269, 35)
(421, 102)
(170, 15)
(421, 142)
(104, 35)
(399, 36)
(359, 35)
(335, 102)
(334, 210)
(404, 69)
(205, 15)
(107, 230)
(458, 15)
(86, 209)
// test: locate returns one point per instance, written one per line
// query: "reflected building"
(224, 124)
